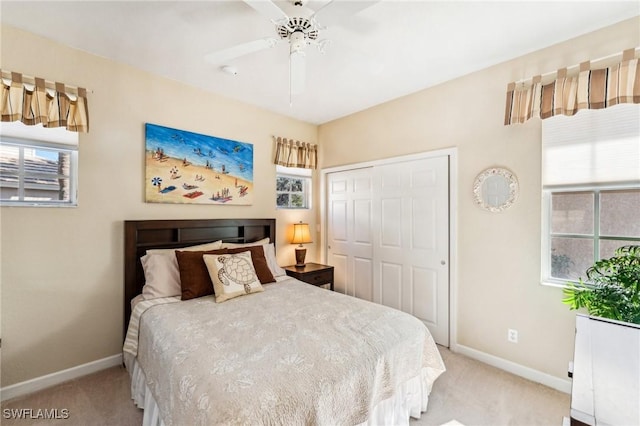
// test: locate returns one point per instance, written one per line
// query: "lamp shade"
(301, 234)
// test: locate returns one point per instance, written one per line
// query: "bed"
(292, 353)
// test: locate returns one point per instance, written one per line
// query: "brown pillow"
(194, 275)
(259, 261)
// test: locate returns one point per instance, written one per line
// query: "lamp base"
(301, 252)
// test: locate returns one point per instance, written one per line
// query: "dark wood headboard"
(142, 235)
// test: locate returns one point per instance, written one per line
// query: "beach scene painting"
(190, 168)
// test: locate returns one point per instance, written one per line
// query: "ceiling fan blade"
(224, 55)
(267, 8)
(297, 72)
(336, 12)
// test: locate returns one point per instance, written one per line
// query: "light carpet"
(470, 392)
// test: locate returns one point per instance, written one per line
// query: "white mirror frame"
(480, 195)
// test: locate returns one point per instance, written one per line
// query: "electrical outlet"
(512, 335)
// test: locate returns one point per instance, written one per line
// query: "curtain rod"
(604, 58)
(49, 84)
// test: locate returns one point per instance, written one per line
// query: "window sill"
(14, 204)
(556, 284)
(293, 208)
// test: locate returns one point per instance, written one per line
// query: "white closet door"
(411, 240)
(349, 231)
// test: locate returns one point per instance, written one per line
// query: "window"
(293, 188)
(38, 166)
(591, 189)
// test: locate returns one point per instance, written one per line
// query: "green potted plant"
(613, 287)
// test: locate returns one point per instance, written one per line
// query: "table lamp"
(301, 235)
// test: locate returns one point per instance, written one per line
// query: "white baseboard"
(33, 385)
(513, 368)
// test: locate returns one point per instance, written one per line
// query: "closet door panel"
(423, 217)
(391, 223)
(424, 285)
(349, 231)
(362, 221)
(339, 220)
(340, 280)
(411, 200)
(391, 288)
(363, 278)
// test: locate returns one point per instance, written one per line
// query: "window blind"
(592, 147)
(18, 130)
(293, 171)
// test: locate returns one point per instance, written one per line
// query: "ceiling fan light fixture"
(297, 42)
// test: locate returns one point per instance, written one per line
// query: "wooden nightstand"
(312, 273)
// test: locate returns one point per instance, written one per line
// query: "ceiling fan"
(296, 24)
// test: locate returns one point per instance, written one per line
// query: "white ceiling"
(385, 51)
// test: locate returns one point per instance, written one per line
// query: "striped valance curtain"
(290, 153)
(41, 102)
(589, 89)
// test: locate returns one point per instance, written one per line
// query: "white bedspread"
(293, 354)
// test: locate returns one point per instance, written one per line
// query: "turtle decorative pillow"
(232, 275)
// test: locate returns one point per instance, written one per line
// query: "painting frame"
(183, 167)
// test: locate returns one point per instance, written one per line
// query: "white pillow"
(215, 245)
(272, 262)
(161, 273)
(232, 275)
(255, 243)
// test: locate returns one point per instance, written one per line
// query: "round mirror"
(495, 189)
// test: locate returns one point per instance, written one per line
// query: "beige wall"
(498, 254)
(62, 268)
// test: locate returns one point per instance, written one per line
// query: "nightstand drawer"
(312, 273)
(324, 277)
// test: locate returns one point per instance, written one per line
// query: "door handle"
(442, 262)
